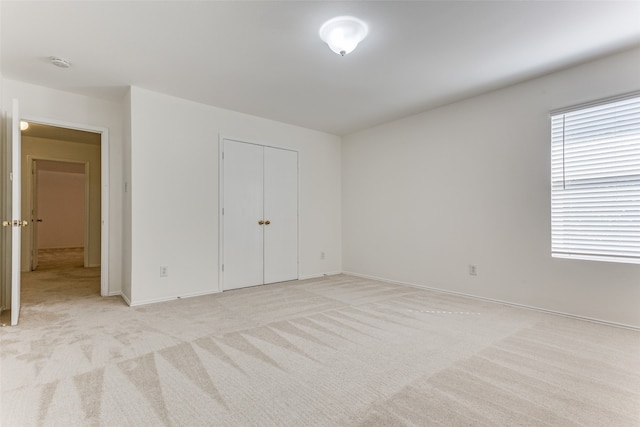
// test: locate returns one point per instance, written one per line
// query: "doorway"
(59, 213)
(63, 166)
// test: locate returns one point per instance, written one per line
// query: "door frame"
(32, 193)
(16, 210)
(221, 139)
(33, 265)
(104, 188)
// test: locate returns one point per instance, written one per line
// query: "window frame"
(579, 223)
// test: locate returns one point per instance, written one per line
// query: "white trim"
(602, 101)
(618, 259)
(594, 185)
(512, 304)
(299, 214)
(87, 212)
(124, 298)
(320, 275)
(173, 298)
(105, 172)
(220, 210)
(104, 215)
(221, 140)
(261, 144)
(16, 210)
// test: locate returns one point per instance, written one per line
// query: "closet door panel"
(281, 210)
(243, 209)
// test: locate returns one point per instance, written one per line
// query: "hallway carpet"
(333, 351)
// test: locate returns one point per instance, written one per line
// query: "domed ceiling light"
(343, 33)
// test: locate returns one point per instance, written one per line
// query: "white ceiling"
(265, 57)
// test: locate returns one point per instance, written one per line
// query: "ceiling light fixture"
(59, 62)
(343, 33)
(24, 125)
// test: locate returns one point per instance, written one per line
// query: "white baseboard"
(512, 304)
(155, 300)
(316, 276)
(124, 298)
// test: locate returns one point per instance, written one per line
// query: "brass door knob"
(260, 222)
(267, 222)
(15, 223)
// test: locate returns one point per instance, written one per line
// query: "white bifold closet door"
(260, 215)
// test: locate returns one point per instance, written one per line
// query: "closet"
(259, 201)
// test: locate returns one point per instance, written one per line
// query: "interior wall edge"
(124, 297)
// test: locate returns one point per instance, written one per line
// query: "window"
(595, 181)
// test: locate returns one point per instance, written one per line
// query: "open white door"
(16, 222)
(243, 221)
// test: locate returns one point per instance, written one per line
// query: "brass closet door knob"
(260, 222)
(267, 222)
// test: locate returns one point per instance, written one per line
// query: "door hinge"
(10, 176)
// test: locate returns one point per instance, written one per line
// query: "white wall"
(174, 193)
(61, 208)
(46, 103)
(469, 183)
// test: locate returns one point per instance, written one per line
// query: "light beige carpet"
(336, 351)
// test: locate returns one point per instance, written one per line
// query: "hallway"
(59, 280)
(60, 277)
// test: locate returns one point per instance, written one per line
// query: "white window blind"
(595, 182)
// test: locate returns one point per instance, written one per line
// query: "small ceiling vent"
(59, 62)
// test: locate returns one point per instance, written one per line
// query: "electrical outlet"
(321, 255)
(164, 271)
(473, 270)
